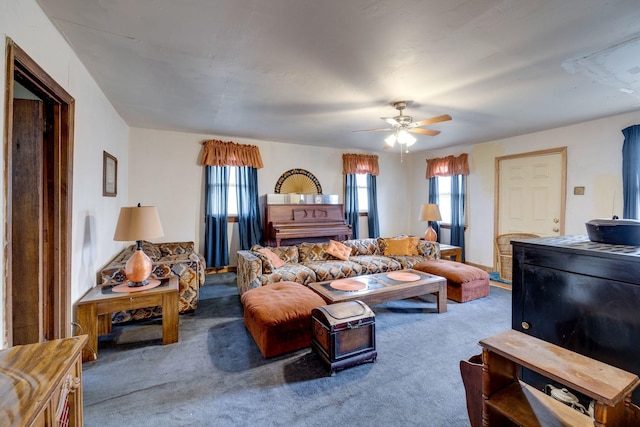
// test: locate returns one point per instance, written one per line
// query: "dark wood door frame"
(57, 231)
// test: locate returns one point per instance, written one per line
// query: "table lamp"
(430, 212)
(138, 223)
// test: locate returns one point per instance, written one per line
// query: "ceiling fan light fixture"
(402, 124)
(405, 137)
(390, 140)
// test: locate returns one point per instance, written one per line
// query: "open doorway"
(38, 188)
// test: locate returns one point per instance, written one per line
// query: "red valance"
(360, 163)
(448, 166)
(220, 153)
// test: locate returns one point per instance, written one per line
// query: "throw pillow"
(339, 250)
(363, 246)
(399, 247)
(310, 252)
(413, 245)
(289, 254)
(428, 249)
(273, 258)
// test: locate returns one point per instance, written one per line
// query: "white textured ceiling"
(312, 71)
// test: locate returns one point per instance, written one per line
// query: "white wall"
(594, 160)
(98, 127)
(164, 171)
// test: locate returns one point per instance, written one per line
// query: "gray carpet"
(216, 376)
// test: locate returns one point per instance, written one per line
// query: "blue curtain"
(433, 198)
(631, 172)
(372, 215)
(457, 211)
(249, 220)
(351, 203)
(216, 251)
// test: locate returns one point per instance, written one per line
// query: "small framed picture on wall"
(109, 175)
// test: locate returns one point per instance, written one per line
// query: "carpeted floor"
(216, 376)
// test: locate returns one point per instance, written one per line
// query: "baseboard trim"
(480, 266)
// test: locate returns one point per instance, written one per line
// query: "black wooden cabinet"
(580, 295)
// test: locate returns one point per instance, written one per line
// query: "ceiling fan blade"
(429, 132)
(437, 119)
(373, 130)
(391, 120)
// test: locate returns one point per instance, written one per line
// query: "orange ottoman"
(464, 282)
(278, 316)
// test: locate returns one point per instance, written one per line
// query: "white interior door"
(531, 193)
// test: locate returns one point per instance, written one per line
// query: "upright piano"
(294, 218)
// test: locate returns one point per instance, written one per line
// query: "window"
(363, 194)
(444, 198)
(232, 196)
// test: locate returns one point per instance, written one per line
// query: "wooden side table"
(95, 308)
(451, 252)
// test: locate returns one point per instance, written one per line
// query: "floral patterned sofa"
(310, 262)
(175, 258)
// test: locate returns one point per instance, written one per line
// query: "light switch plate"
(578, 191)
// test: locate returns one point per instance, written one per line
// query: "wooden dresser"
(41, 384)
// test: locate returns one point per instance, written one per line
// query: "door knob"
(556, 229)
(556, 220)
(525, 325)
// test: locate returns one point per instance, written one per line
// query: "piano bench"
(278, 316)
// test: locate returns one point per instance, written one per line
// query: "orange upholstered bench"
(278, 316)
(464, 282)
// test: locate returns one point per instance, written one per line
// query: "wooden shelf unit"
(508, 401)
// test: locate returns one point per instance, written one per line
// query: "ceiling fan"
(402, 125)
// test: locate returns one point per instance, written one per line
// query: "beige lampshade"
(138, 223)
(430, 212)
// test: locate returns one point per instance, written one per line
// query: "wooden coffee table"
(381, 287)
(95, 308)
